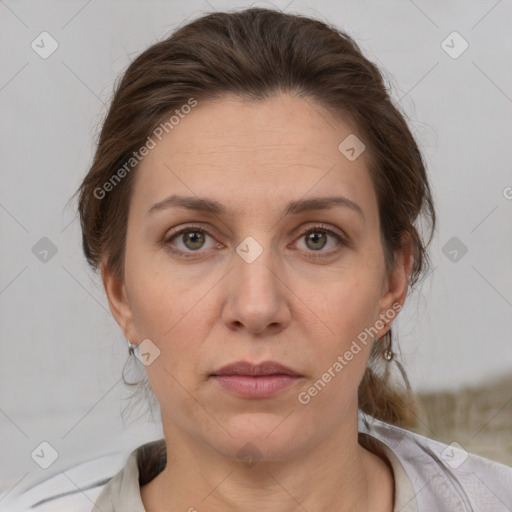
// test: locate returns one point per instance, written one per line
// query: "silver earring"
(131, 348)
(387, 352)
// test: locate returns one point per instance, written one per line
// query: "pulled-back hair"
(254, 54)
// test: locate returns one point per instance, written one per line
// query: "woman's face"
(265, 274)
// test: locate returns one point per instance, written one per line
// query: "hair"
(253, 54)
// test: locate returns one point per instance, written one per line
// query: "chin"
(261, 436)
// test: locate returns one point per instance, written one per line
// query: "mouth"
(265, 368)
(249, 380)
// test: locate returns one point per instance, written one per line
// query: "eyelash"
(320, 228)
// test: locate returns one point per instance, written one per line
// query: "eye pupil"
(314, 237)
(193, 240)
(195, 237)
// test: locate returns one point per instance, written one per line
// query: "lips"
(255, 370)
(255, 381)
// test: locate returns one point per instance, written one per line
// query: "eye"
(316, 239)
(192, 239)
(188, 240)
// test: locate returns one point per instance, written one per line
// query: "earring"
(387, 352)
(388, 355)
(131, 348)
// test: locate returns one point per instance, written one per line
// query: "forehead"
(236, 150)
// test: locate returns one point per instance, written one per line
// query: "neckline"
(150, 459)
(405, 495)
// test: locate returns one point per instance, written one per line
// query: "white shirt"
(429, 477)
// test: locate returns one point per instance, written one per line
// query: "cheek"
(160, 299)
(174, 315)
(347, 309)
(169, 319)
(341, 364)
(349, 305)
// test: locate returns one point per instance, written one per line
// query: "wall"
(62, 353)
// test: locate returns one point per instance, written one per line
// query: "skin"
(215, 308)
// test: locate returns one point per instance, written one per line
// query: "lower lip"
(256, 387)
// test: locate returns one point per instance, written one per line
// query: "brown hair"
(254, 53)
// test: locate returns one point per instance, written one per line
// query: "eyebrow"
(204, 204)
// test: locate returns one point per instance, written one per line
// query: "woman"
(252, 208)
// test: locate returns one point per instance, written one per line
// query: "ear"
(115, 289)
(395, 285)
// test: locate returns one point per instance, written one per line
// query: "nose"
(257, 296)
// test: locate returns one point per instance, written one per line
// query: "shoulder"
(107, 483)
(445, 477)
(75, 488)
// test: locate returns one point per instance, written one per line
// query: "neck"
(335, 473)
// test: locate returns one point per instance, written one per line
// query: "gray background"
(61, 351)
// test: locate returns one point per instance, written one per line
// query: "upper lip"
(246, 368)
